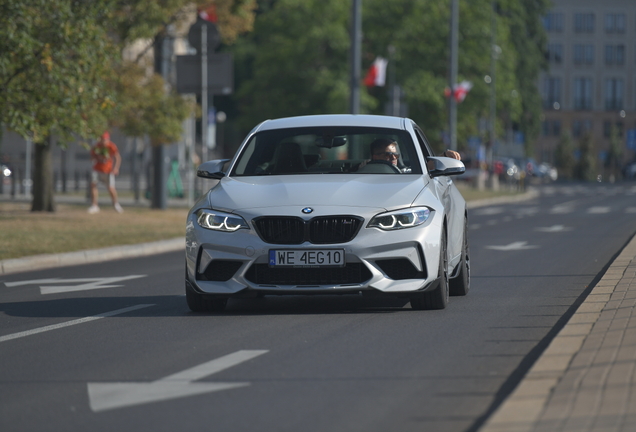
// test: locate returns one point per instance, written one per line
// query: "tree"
(528, 38)
(564, 156)
(55, 57)
(614, 153)
(586, 167)
(297, 61)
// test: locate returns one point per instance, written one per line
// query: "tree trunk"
(43, 199)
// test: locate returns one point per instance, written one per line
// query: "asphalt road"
(113, 346)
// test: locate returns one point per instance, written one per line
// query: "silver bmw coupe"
(329, 204)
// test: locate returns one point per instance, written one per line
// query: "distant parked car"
(301, 209)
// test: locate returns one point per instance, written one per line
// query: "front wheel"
(438, 298)
(460, 285)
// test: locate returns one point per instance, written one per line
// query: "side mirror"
(212, 169)
(444, 166)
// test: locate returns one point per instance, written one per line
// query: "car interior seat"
(288, 158)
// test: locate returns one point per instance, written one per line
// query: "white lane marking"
(105, 396)
(522, 245)
(489, 211)
(71, 323)
(554, 228)
(630, 210)
(598, 210)
(562, 208)
(83, 284)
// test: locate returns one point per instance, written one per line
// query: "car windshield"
(328, 150)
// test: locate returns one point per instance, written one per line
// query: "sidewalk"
(586, 378)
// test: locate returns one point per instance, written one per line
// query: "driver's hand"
(452, 154)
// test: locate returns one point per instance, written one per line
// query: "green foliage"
(146, 108)
(564, 156)
(614, 154)
(55, 56)
(297, 60)
(586, 168)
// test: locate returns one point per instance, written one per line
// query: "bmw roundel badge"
(307, 210)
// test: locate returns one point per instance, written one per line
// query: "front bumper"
(237, 264)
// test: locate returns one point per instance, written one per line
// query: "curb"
(39, 262)
(521, 410)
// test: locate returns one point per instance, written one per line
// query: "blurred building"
(591, 82)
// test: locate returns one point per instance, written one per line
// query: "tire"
(460, 285)
(198, 303)
(437, 298)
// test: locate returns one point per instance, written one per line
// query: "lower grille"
(352, 273)
(400, 268)
(220, 270)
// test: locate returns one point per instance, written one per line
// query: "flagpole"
(356, 41)
(452, 103)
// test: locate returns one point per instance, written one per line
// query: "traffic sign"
(220, 74)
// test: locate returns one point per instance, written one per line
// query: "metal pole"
(27, 180)
(356, 56)
(493, 93)
(204, 93)
(452, 103)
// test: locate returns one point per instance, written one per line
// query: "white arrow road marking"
(105, 396)
(522, 245)
(85, 284)
(554, 228)
(561, 209)
(598, 210)
(70, 323)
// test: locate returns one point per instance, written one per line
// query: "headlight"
(219, 221)
(400, 219)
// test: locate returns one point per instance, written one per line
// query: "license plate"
(306, 258)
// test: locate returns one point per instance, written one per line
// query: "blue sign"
(631, 139)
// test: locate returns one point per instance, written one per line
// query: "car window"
(324, 150)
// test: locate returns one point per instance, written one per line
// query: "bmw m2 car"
(329, 204)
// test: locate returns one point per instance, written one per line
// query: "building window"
(615, 23)
(614, 54)
(582, 93)
(581, 127)
(584, 23)
(553, 22)
(614, 94)
(607, 129)
(552, 93)
(555, 53)
(583, 54)
(551, 127)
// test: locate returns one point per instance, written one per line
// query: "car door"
(446, 192)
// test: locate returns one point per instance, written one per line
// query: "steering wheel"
(385, 163)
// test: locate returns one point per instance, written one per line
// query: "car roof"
(361, 120)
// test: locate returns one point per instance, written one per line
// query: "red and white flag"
(459, 90)
(376, 76)
(208, 13)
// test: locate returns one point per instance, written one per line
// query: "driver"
(384, 149)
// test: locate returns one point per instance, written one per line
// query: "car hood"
(374, 191)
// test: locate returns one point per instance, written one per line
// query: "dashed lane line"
(71, 323)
